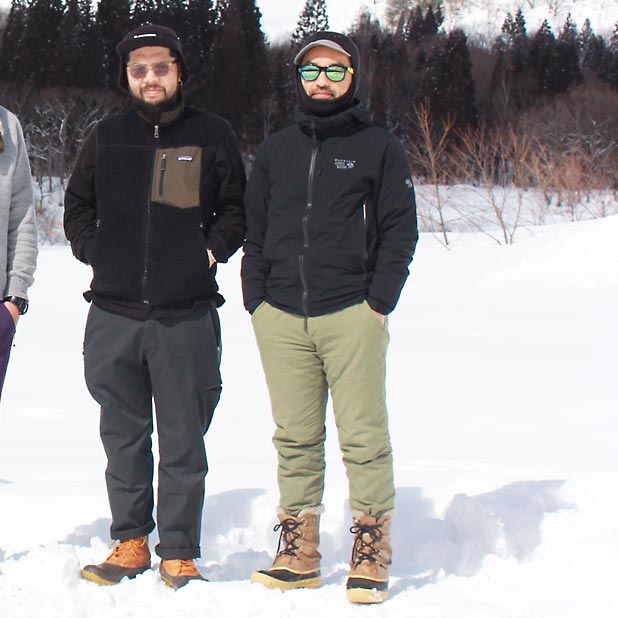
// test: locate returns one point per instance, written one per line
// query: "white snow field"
(503, 395)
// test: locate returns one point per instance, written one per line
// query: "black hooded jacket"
(331, 217)
(145, 202)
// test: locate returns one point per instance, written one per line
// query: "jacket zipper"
(145, 272)
(365, 252)
(301, 258)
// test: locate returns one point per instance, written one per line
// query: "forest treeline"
(531, 108)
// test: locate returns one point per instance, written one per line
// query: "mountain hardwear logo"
(344, 164)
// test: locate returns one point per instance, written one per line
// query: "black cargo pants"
(174, 361)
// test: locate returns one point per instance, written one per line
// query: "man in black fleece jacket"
(331, 230)
(154, 203)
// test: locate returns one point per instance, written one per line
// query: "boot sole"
(102, 581)
(366, 596)
(276, 584)
(97, 579)
(177, 584)
(168, 582)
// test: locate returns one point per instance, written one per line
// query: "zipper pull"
(156, 131)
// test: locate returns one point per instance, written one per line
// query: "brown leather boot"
(371, 559)
(297, 563)
(178, 573)
(129, 558)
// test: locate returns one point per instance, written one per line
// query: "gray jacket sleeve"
(17, 215)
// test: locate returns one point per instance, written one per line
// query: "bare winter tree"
(498, 162)
(555, 6)
(577, 139)
(55, 125)
(428, 156)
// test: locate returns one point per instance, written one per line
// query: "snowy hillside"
(502, 395)
(485, 17)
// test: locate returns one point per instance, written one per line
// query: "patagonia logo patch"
(185, 158)
(344, 164)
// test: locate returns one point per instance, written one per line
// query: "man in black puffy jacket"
(154, 203)
(331, 230)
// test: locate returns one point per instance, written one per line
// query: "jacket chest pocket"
(176, 177)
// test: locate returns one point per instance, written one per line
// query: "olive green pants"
(303, 359)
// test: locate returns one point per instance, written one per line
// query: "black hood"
(339, 124)
(341, 43)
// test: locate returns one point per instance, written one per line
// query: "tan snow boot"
(297, 563)
(129, 558)
(178, 573)
(371, 559)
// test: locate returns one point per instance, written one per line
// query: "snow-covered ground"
(503, 399)
(501, 213)
(485, 17)
(478, 18)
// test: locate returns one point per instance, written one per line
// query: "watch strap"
(21, 303)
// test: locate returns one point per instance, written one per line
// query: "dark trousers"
(174, 361)
(7, 332)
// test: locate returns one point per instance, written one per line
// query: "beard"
(154, 110)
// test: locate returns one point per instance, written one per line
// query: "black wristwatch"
(20, 303)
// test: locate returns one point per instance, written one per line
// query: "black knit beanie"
(149, 35)
(341, 43)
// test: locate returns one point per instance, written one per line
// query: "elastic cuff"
(378, 306)
(251, 306)
(218, 248)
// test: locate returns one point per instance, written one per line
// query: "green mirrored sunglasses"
(334, 72)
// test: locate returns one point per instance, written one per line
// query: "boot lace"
(179, 568)
(127, 549)
(288, 537)
(367, 536)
